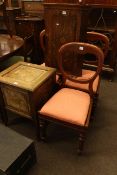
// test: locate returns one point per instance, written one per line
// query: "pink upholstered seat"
(66, 106)
(85, 74)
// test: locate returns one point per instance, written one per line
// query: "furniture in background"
(103, 19)
(9, 46)
(15, 49)
(69, 106)
(33, 8)
(26, 26)
(25, 54)
(13, 3)
(25, 88)
(65, 21)
(6, 20)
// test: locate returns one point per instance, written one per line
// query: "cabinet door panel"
(63, 24)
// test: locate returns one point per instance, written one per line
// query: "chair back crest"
(77, 50)
(99, 40)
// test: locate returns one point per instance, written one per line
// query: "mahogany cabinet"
(64, 22)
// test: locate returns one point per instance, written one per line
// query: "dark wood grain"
(63, 23)
(9, 45)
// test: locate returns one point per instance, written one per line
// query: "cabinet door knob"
(64, 12)
(57, 24)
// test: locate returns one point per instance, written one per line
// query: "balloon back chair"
(43, 44)
(72, 107)
(101, 41)
(95, 38)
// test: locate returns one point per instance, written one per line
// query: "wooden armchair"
(72, 107)
(28, 49)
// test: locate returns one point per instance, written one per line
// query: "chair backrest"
(95, 38)
(99, 37)
(42, 40)
(8, 19)
(99, 40)
(28, 47)
(76, 51)
(43, 43)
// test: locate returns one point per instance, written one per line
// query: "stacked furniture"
(72, 107)
(66, 25)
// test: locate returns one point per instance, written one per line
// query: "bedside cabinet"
(26, 87)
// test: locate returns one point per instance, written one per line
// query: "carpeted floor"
(58, 156)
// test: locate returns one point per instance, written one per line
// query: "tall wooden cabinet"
(64, 22)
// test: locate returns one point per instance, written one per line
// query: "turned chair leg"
(95, 101)
(42, 129)
(4, 117)
(82, 138)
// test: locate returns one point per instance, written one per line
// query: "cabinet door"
(63, 24)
